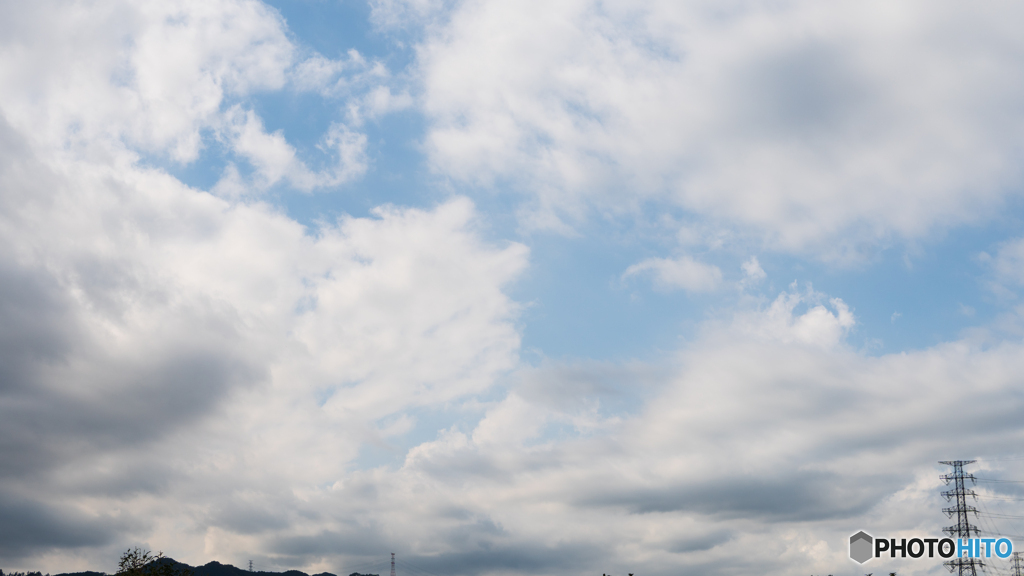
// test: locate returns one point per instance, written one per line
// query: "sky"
(564, 287)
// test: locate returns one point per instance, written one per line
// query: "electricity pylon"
(963, 528)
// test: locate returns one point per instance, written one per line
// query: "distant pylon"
(963, 528)
(1016, 564)
(250, 565)
(392, 564)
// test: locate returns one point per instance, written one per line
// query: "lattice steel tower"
(963, 528)
(1016, 564)
(392, 564)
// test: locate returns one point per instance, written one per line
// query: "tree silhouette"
(139, 562)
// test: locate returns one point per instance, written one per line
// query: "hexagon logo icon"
(860, 547)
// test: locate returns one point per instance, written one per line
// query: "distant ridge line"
(217, 569)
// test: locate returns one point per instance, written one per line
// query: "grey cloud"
(67, 393)
(523, 558)
(484, 556)
(570, 387)
(60, 416)
(34, 320)
(28, 526)
(356, 540)
(793, 498)
(811, 90)
(252, 515)
(702, 542)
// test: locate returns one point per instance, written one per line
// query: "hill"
(217, 569)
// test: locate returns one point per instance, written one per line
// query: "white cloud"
(124, 78)
(818, 326)
(392, 14)
(683, 273)
(752, 270)
(150, 74)
(366, 85)
(202, 375)
(175, 347)
(1008, 262)
(819, 130)
(350, 148)
(274, 159)
(755, 441)
(378, 102)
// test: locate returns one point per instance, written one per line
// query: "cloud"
(753, 271)
(1007, 265)
(30, 526)
(177, 359)
(336, 77)
(774, 446)
(826, 132)
(681, 273)
(398, 14)
(198, 342)
(367, 86)
(126, 80)
(150, 75)
(818, 326)
(274, 159)
(199, 373)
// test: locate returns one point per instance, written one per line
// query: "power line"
(1001, 498)
(1002, 516)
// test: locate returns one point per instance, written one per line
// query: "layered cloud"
(815, 129)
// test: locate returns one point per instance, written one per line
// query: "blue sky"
(505, 288)
(934, 283)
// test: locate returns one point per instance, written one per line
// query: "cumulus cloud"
(818, 326)
(367, 86)
(195, 371)
(274, 159)
(150, 74)
(754, 441)
(814, 130)
(147, 357)
(125, 79)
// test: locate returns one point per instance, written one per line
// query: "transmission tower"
(250, 565)
(392, 564)
(1016, 564)
(963, 528)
